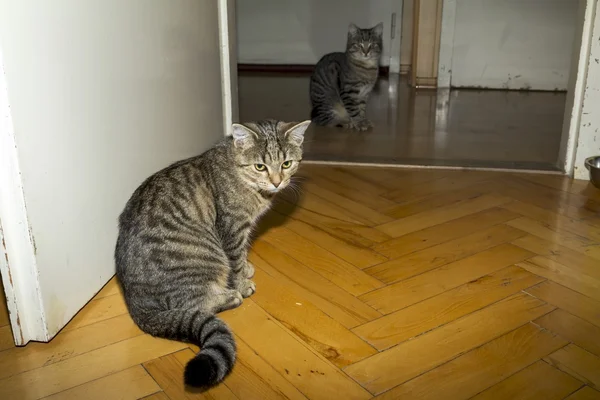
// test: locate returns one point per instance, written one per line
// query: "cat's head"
(365, 44)
(268, 153)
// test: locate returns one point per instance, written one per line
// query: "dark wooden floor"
(468, 128)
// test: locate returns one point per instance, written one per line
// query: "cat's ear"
(296, 133)
(353, 29)
(243, 136)
(378, 29)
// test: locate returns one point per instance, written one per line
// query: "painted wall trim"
(396, 31)
(575, 95)
(226, 10)
(444, 78)
(588, 136)
(17, 250)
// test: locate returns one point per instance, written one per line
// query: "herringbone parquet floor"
(385, 283)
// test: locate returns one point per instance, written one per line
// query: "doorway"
(505, 111)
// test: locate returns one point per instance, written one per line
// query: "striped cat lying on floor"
(341, 82)
(183, 238)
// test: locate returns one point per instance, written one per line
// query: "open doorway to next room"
(508, 72)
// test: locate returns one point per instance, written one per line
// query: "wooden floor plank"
(369, 199)
(565, 184)
(4, 318)
(397, 365)
(538, 381)
(322, 206)
(409, 322)
(360, 211)
(440, 215)
(428, 203)
(130, 384)
(572, 206)
(63, 375)
(345, 275)
(253, 378)
(360, 235)
(563, 275)
(585, 393)
(555, 221)
(324, 334)
(345, 177)
(6, 338)
(395, 178)
(333, 300)
(569, 240)
(444, 184)
(572, 328)
(361, 257)
(577, 362)
(157, 396)
(436, 256)
(445, 232)
(312, 374)
(98, 310)
(569, 300)
(563, 255)
(480, 368)
(112, 287)
(67, 345)
(418, 288)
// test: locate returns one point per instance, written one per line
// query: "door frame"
(576, 86)
(228, 56)
(18, 264)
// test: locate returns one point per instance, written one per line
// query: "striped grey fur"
(183, 238)
(341, 82)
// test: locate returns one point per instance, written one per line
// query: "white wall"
(513, 44)
(101, 94)
(588, 140)
(302, 31)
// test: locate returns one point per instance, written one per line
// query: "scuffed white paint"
(508, 44)
(18, 264)
(446, 44)
(577, 80)
(588, 140)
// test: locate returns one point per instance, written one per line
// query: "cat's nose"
(276, 180)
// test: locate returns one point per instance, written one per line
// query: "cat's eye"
(286, 164)
(260, 167)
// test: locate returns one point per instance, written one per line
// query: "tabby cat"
(183, 238)
(341, 82)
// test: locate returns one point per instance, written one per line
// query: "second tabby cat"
(341, 82)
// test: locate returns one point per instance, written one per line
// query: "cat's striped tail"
(218, 350)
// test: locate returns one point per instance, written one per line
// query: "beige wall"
(101, 94)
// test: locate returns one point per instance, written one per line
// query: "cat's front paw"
(358, 125)
(248, 270)
(247, 288)
(364, 125)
